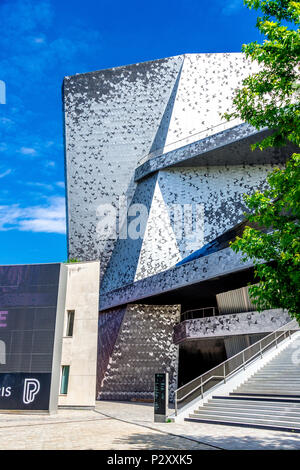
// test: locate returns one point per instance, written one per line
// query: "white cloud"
(49, 218)
(6, 121)
(232, 6)
(5, 173)
(27, 151)
(39, 40)
(43, 225)
(39, 185)
(50, 164)
(9, 216)
(60, 184)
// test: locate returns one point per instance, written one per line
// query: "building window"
(64, 380)
(70, 322)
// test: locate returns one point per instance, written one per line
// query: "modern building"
(48, 336)
(155, 183)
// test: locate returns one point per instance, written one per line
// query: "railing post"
(224, 373)
(260, 351)
(244, 361)
(175, 402)
(276, 342)
(290, 334)
(201, 389)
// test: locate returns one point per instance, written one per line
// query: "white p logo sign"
(31, 389)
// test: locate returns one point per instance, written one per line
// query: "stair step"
(281, 371)
(273, 426)
(281, 368)
(254, 397)
(236, 402)
(248, 418)
(269, 386)
(255, 414)
(267, 393)
(254, 407)
(275, 380)
(275, 377)
(272, 390)
(272, 378)
(263, 383)
(279, 390)
(269, 399)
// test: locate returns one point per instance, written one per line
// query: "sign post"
(161, 397)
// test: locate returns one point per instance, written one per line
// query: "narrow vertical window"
(70, 323)
(64, 380)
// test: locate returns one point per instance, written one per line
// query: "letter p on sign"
(31, 389)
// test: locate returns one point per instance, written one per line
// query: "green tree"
(270, 98)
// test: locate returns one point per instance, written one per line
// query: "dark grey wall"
(28, 310)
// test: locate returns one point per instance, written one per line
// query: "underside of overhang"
(202, 294)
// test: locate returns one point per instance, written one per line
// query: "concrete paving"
(128, 426)
(84, 430)
(219, 436)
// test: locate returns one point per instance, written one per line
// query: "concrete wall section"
(80, 351)
(143, 347)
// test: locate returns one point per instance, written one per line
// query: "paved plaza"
(129, 426)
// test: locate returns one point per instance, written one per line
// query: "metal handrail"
(161, 150)
(199, 310)
(242, 365)
(233, 371)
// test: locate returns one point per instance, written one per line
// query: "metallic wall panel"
(233, 324)
(142, 348)
(108, 330)
(112, 118)
(235, 301)
(235, 344)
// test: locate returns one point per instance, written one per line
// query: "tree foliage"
(270, 98)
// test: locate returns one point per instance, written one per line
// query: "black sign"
(19, 391)
(161, 395)
(28, 304)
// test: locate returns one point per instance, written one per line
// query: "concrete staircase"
(270, 399)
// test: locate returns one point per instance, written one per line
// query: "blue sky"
(43, 41)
